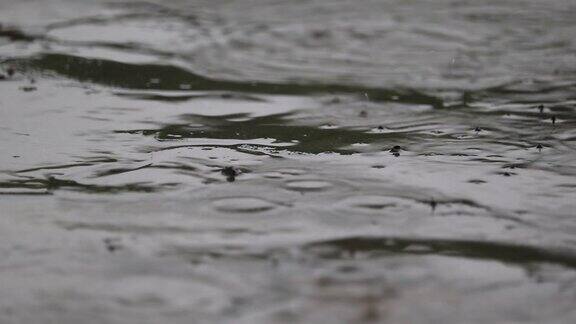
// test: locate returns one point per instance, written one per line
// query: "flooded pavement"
(262, 161)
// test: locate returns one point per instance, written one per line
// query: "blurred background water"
(307, 161)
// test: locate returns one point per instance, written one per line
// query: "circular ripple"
(308, 185)
(372, 202)
(292, 171)
(243, 205)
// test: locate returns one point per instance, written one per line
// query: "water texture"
(262, 161)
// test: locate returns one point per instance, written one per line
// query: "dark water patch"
(184, 98)
(66, 166)
(120, 170)
(22, 192)
(499, 251)
(52, 183)
(298, 138)
(133, 76)
(16, 35)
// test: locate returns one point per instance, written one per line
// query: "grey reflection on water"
(263, 161)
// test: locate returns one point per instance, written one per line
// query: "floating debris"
(231, 173)
(112, 244)
(335, 100)
(14, 34)
(28, 88)
(396, 150)
(476, 181)
(433, 204)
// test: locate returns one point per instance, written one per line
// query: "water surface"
(264, 161)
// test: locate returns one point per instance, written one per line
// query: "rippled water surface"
(260, 161)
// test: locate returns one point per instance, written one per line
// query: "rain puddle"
(262, 161)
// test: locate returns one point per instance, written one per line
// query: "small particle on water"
(274, 261)
(477, 129)
(476, 181)
(506, 174)
(380, 127)
(539, 147)
(363, 114)
(433, 204)
(28, 88)
(328, 126)
(541, 108)
(396, 150)
(335, 100)
(319, 34)
(231, 173)
(553, 120)
(112, 244)
(11, 71)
